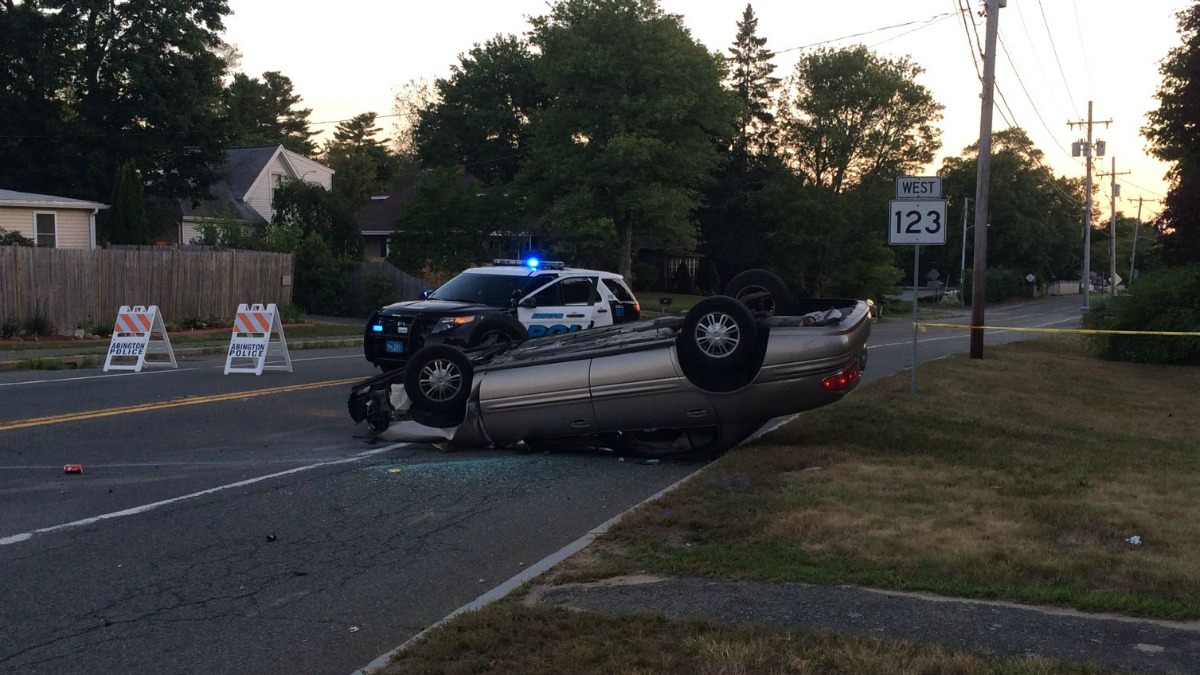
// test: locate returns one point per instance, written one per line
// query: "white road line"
(166, 372)
(965, 334)
(25, 536)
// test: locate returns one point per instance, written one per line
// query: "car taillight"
(843, 380)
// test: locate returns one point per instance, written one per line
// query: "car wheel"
(759, 290)
(718, 333)
(438, 379)
(496, 331)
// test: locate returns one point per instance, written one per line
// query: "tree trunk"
(625, 250)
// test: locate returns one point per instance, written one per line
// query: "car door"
(565, 306)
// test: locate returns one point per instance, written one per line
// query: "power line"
(1061, 72)
(965, 12)
(926, 22)
(1032, 104)
(1082, 44)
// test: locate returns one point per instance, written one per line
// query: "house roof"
(243, 167)
(32, 200)
(244, 164)
(379, 216)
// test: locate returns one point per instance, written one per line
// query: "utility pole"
(1114, 189)
(1137, 233)
(983, 177)
(1078, 148)
(962, 261)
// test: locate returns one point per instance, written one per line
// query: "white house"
(246, 191)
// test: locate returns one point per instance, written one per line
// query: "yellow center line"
(177, 403)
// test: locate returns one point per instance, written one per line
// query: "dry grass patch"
(1019, 476)
(507, 638)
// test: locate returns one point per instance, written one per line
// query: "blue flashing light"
(532, 263)
(377, 328)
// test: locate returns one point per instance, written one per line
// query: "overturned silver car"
(687, 387)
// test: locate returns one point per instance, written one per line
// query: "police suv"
(509, 300)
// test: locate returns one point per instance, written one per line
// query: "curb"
(96, 358)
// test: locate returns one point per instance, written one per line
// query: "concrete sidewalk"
(1105, 640)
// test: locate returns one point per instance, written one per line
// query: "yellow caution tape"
(1073, 331)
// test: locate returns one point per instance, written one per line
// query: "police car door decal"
(561, 308)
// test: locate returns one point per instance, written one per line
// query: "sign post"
(250, 345)
(918, 217)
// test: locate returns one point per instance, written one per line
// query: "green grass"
(680, 304)
(1020, 476)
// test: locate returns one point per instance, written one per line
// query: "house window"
(45, 227)
(276, 183)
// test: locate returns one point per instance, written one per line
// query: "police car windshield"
(495, 290)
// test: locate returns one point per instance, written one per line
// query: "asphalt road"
(235, 524)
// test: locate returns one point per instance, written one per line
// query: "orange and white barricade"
(251, 343)
(134, 338)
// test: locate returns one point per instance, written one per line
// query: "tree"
(1034, 219)
(752, 79)
(264, 112)
(625, 140)
(853, 116)
(733, 235)
(482, 113)
(361, 163)
(1172, 131)
(448, 222)
(127, 216)
(87, 86)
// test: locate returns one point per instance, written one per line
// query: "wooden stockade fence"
(404, 286)
(70, 286)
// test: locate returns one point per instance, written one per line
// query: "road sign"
(919, 187)
(917, 222)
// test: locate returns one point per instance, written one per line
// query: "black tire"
(719, 335)
(438, 379)
(498, 330)
(759, 290)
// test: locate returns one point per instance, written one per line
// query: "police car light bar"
(531, 263)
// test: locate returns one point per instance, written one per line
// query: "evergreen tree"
(127, 214)
(1174, 134)
(265, 112)
(752, 79)
(361, 163)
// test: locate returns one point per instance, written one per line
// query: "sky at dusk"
(347, 57)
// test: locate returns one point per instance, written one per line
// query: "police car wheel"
(438, 379)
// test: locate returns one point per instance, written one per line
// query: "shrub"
(645, 277)
(10, 328)
(377, 291)
(290, 313)
(682, 282)
(1002, 284)
(14, 238)
(1167, 300)
(707, 278)
(38, 323)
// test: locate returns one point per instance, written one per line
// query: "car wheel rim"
(757, 299)
(717, 335)
(440, 380)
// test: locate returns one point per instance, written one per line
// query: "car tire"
(761, 291)
(498, 330)
(438, 379)
(719, 334)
